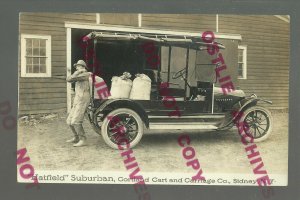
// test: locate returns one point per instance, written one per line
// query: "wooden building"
(49, 46)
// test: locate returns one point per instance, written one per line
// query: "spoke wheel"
(122, 124)
(98, 118)
(259, 123)
(89, 114)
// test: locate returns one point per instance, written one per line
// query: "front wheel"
(259, 121)
(122, 123)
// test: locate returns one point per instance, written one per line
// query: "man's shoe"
(80, 143)
(73, 140)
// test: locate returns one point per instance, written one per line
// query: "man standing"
(81, 102)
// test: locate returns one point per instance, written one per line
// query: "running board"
(171, 126)
(190, 117)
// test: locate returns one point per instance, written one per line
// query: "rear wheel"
(90, 116)
(122, 124)
(97, 119)
(259, 123)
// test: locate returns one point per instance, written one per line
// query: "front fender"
(111, 104)
(239, 108)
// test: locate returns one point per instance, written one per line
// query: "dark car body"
(201, 105)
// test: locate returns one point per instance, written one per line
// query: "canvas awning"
(162, 40)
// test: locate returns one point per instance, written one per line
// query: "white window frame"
(244, 48)
(23, 55)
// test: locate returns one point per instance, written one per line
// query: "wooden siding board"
(180, 19)
(60, 16)
(119, 19)
(48, 94)
(42, 96)
(39, 90)
(268, 51)
(28, 101)
(58, 70)
(40, 111)
(47, 106)
(39, 85)
(53, 33)
(274, 57)
(180, 22)
(268, 64)
(266, 76)
(42, 26)
(256, 28)
(174, 26)
(172, 16)
(259, 81)
(267, 40)
(42, 80)
(256, 19)
(275, 35)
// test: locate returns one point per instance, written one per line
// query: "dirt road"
(218, 152)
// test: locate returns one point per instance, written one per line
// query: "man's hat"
(80, 62)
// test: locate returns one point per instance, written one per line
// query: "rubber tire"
(119, 111)
(268, 113)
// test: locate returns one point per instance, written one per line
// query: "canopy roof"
(160, 39)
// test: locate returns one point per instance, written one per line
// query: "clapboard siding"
(268, 40)
(43, 108)
(180, 22)
(119, 19)
(44, 95)
(42, 90)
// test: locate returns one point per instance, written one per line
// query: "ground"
(218, 152)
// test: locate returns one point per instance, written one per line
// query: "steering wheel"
(178, 74)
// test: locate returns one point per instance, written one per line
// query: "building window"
(242, 62)
(35, 55)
